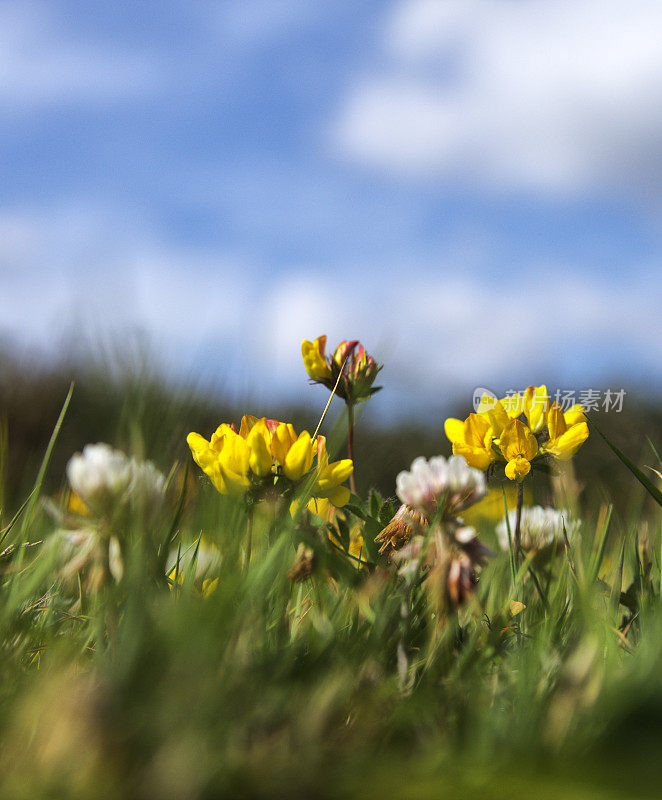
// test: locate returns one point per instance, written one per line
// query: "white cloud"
(438, 335)
(43, 63)
(561, 95)
(86, 273)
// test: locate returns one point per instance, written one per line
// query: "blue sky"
(471, 187)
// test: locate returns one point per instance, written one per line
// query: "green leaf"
(354, 509)
(371, 529)
(375, 503)
(343, 533)
(386, 513)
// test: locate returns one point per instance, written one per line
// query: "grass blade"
(16, 517)
(602, 542)
(34, 495)
(513, 568)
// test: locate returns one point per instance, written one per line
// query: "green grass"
(265, 687)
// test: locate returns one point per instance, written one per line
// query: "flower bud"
(350, 367)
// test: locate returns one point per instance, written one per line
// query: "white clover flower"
(107, 479)
(451, 482)
(147, 486)
(539, 527)
(100, 475)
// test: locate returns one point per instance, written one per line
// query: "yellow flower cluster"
(264, 451)
(496, 432)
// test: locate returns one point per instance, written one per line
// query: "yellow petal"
(339, 496)
(513, 405)
(259, 443)
(200, 450)
(555, 421)
(517, 440)
(209, 586)
(248, 421)
(516, 607)
(487, 403)
(476, 457)
(454, 429)
(566, 445)
(574, 415)
(218, 436)
(517, 469)
(334, 474)
(233, 462)
(498, 418)
(319, 446)
(322, 508)
(281, 440)
(536, 404)
(314, 359)
(477, 429)
(299, 458)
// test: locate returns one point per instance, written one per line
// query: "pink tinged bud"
(343, 350)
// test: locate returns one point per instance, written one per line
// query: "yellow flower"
(225, 458)
(567, 432)
(206, 457)
(536, 404)
(314, 359)
(519, 447)
(234, 460)
(330, 476)
(472, 439)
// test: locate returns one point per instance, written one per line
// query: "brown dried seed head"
(406, 522)
(461, 579)
(304, 564)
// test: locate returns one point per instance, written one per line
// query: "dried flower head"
(405, 524)
(304, 564)
(449, 559)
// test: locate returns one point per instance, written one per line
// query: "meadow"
(214, 604)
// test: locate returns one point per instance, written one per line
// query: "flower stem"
(249, 538)
(518, 519)
(350, 445)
